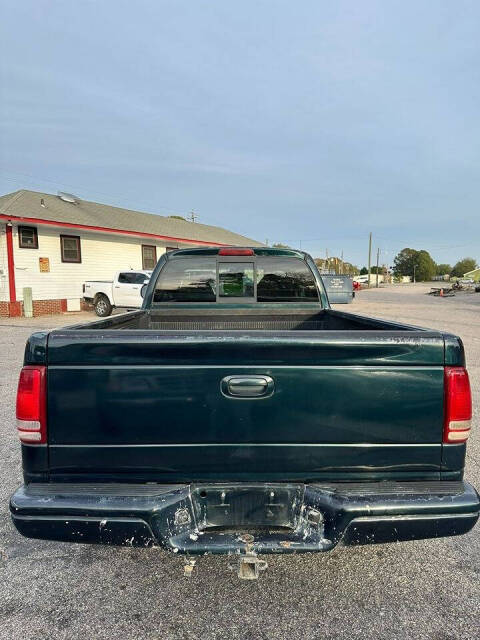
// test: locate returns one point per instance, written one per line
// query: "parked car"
(361, 279)
(242, 419)
(121, 292)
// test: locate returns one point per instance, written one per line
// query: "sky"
(310, 123)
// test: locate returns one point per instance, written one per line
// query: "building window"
(27, 238)
(70, 248)
(149, 257)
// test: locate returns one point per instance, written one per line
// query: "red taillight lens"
(31, 404)
(227, 251)
(458, 405)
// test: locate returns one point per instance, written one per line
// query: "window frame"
(35, 236)
(149, 246)
(66, 260)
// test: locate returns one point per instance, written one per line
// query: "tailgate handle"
(247, 386)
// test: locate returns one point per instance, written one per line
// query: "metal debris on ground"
(188, 568)
(441, 292)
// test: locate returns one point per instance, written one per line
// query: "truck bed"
(243, 319)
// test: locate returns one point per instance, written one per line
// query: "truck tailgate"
(131, 405)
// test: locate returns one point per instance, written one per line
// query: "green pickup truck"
(237, 413)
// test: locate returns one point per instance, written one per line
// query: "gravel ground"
(425, 589)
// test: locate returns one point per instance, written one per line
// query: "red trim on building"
(87, 227)
(11, 265)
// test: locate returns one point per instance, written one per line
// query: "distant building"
(474, 275)
(54, 243)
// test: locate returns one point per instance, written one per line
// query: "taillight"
(31, 405)
(458, 405)
(227, 251)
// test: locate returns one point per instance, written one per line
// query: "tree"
(464, 266)
(443, 269)
(349, 269)
(279, 245)
(178, 218)
(404, 262)
(364, 271)
(337, 265)
(408, 261)
(426, 267)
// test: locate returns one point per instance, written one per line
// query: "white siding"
(102, 255)
(3, 264)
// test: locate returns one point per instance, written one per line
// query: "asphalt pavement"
(425, 589)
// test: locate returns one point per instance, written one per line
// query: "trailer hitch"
(250, 565)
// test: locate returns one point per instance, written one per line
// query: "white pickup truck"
(122, 291)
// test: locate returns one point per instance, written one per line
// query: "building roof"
(28, 204)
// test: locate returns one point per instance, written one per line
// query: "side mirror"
(143, 290)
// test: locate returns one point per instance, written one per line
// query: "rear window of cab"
(255, 279)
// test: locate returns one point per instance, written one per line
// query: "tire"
(102, 306)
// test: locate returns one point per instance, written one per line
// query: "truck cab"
(121, 292)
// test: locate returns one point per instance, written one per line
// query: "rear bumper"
(235, 517)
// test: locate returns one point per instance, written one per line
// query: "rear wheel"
(102, 306)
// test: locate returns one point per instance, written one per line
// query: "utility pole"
(414, 267)
(376, 277)
(369, 257)
(193, 216)
(328, 263)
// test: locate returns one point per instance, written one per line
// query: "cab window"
(132, 277)
(235, 280)
(282, 279)
(187, 280)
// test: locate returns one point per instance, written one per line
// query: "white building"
(54, 243)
